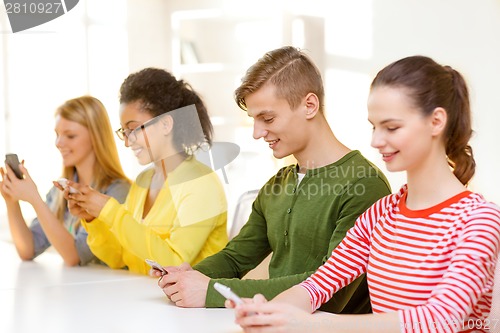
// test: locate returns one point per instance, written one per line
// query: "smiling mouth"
(137, 151)
(388, 156)
(272, 143)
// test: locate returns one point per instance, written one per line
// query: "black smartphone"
(13, 161)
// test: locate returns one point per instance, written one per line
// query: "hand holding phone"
(156, 266)
(13, 162)
(64, 183)
(228, 293)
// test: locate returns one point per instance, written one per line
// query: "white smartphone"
(227, 293)
(64, 183)
(156, 266)
(13, 161)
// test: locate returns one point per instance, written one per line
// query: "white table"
(46, 296)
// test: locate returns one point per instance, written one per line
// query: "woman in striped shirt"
(430, 249)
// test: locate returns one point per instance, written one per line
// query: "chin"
(394, 168)
(68, 163)
(143, 161)
(277, 155)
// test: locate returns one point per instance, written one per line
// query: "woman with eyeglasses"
(176, 210)
(85, 140)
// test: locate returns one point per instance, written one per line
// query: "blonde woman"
(85, 141)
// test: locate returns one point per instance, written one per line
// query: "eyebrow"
(130, 121)
(386, 121)
(65, 131)
(261, 113)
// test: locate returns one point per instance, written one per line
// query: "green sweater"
(300, 224)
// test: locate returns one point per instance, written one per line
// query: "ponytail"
(459, 129)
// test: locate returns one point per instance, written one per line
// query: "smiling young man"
(303, 212)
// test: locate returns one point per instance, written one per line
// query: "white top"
(301, 176)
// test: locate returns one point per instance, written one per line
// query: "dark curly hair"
(160, 92)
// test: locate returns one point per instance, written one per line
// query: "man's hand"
(170, 269)
(186, 288)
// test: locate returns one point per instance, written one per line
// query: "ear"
(311, 102)
(167, 123)
(439, 118)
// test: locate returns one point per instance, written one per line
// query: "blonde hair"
(290, 70)
(89, 112)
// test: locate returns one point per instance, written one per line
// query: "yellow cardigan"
(186, 223)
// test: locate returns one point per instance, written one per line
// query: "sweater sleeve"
(241, 253)
(469, 276)
(102, 241)
(118, 189)
(251, 246)
(347, 262)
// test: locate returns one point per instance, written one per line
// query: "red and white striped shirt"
(434, 266)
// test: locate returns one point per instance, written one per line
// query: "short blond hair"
(288, 69)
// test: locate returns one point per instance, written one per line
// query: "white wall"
(362, 36)
(461, 33)
(359, 38)
(81, 52)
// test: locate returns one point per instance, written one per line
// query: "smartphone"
(64, 183)
(156, 266)
(227, 293)
(13, 161)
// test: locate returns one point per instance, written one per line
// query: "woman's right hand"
(15, 189)
(257, 299)
(258, 315)
(77, 210)
(4, 186)
(88, 199)
(73, 207)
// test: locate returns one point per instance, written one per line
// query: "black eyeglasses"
(131, 135)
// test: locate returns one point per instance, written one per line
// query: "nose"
(59, 142)
(378, 140)
(259, 131)
(125, 140)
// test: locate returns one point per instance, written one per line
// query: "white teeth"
(137, 151)
(272, 143)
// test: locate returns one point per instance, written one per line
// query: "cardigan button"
(289, 210)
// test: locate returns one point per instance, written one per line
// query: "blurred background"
(210, 44)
